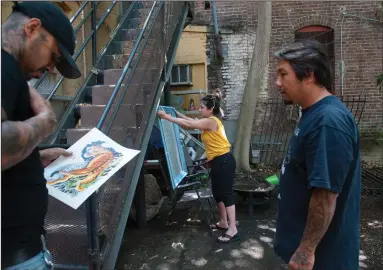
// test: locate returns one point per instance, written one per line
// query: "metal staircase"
(119, 96)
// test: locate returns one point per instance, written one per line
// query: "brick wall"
(362, 47)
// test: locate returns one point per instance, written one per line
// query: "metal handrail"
(85, 17)
(37, 84)
(125, 87)
(109, 262)
(124, 72)
(83, 45)
(76, 98)
(78, 11)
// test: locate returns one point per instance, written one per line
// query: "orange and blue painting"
(98, 161)
(95, 159)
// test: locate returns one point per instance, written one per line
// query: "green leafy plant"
(379, 81)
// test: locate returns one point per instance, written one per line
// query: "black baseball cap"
(59, 26)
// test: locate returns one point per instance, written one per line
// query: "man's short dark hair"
(306, 57)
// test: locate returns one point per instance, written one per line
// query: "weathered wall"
(192, 46)
(191, 51)
(362, 48)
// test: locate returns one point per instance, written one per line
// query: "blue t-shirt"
(323, 153)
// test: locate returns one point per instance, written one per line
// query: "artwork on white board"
(95, 159)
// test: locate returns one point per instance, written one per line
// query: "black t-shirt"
(24, 196)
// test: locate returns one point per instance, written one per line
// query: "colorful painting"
(95, 159)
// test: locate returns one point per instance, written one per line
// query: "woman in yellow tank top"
(221, 160)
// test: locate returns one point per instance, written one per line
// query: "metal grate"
(356, 105)
(145, 78)
(66, 228)
(68, 235)
(145, 75)
(276, 123)
(274, 126)
(372, 180)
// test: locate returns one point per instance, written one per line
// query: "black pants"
(222, 178)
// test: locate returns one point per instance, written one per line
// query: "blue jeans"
(36, 263)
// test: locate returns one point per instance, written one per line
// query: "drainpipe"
(217, 36)
(214, 10)
(341, 57)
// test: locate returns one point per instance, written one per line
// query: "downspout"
(341, 54)
(215, 20)
(217, 36)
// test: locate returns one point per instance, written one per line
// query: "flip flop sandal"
(230, 238)
(216, 227)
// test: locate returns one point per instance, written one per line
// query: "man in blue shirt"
(320, 181)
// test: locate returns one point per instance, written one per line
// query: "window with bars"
(181, 75)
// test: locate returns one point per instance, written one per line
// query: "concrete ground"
(173, 242)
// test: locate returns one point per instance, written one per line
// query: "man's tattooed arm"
(18, 139)
(321, 211)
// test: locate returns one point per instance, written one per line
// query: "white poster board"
(95, 159)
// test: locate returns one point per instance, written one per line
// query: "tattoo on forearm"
(18, 139)
(321, 211)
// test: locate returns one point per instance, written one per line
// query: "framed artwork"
(173, 148)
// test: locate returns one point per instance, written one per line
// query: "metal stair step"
(125, 47)
(91, 115)
(144, 12)
(123, 136)
(148, 75)
(102, 93)
(137, 93)
(132, 23)
(129, 34)
(111, 76)
(118, 61)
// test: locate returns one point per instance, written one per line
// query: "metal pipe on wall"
(215, 19)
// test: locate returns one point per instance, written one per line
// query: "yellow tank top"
(216, 143)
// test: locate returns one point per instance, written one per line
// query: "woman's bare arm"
(182, 116)
(203, 124)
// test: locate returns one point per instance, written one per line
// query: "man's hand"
(302, 260)
(47, 156)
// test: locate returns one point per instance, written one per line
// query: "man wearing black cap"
(36, 37)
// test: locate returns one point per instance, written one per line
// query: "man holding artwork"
(320, 180)
(36, 37)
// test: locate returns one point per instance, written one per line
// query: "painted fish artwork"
(95, 159)
(98, 161)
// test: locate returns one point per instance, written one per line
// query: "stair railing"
(39, 81)
(127, 68)
(92, 36)
(54, 137)
(91, 202)
(133, 169)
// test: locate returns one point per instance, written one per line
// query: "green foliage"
(379, 81)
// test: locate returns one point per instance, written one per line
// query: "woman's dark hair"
(213, 101)
(306, 57)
